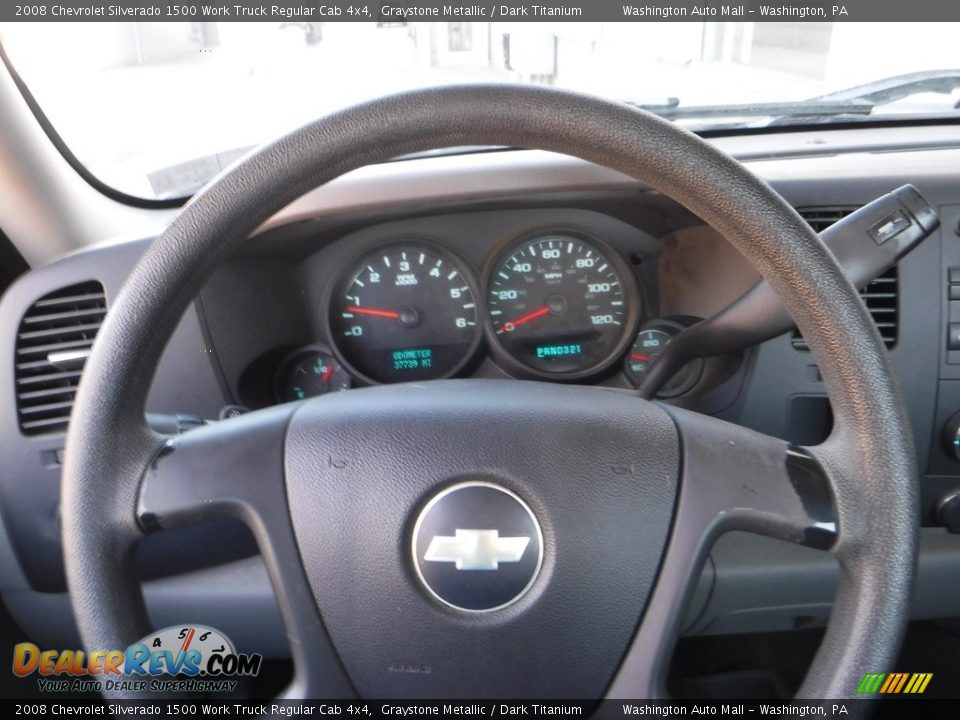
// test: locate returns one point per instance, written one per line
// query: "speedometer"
(405, 312)
(560, 305)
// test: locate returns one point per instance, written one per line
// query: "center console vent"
(880, 296)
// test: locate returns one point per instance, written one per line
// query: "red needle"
(391, 314)
(641, 358)
(327, 373)
(508, 327)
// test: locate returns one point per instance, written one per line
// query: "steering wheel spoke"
(229, 468)
(732, 479)
(235, 468)
(735, 478)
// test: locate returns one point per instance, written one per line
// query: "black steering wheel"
(591, 511)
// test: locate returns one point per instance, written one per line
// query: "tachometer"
(559, 305)
(405, 312)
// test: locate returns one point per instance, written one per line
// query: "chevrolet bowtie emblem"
(476, 549)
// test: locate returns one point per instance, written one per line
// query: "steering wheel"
(479, 538)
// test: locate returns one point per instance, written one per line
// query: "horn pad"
(481, 538)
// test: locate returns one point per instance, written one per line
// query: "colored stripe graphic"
(899, 685)
(894, 683)
(870, 683)
(918, 683)
(892, 680)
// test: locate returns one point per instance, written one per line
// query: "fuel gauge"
(650, 342)
(308, 374)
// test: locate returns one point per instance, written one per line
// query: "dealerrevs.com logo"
(192, 658)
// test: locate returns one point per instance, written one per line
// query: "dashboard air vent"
(880, 296)
(53, 341)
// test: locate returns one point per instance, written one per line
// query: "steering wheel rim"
(868, 458)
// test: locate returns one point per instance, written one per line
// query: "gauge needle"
(507, 327)
(391, 314)
(327, 373)
(641, 358)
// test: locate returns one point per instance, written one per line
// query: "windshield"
(157, 109)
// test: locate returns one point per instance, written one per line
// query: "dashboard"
(563, 296)
(516, 264)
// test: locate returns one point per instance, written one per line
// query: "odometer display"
(405, 312)
(558, 305)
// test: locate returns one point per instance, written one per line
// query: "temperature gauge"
(650, 342)
(310, 373)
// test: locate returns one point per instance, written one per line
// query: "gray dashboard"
(269, 301)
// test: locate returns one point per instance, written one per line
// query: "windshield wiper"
(891, 89)
(859, 100)
(801, 108)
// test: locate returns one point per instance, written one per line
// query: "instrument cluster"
(555, 304)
